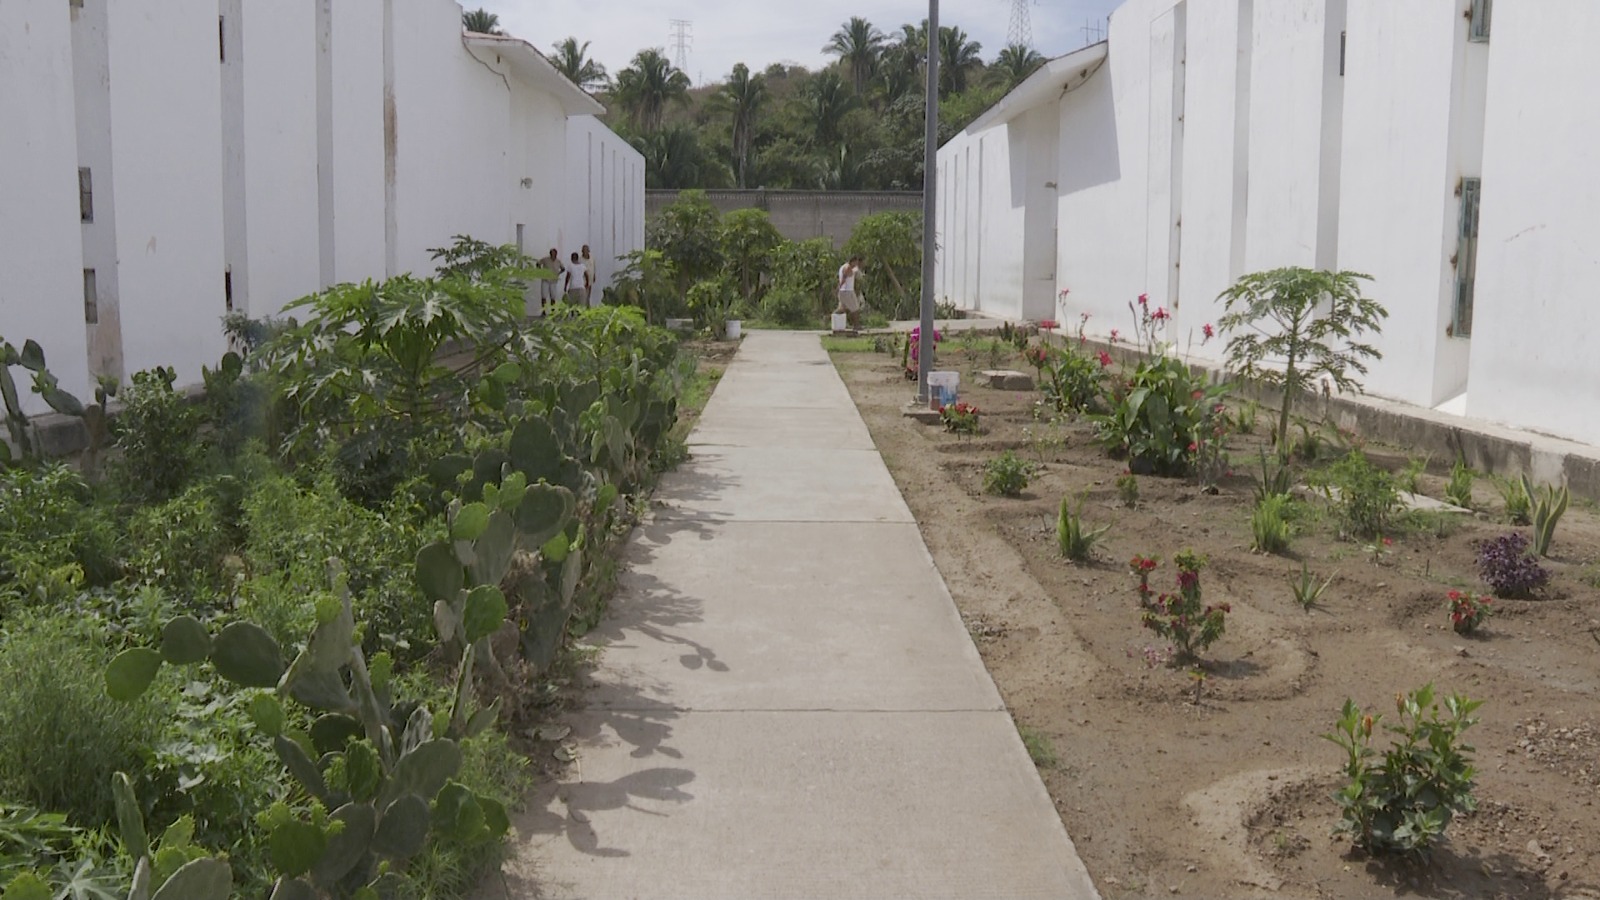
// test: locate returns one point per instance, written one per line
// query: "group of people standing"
(575, 279)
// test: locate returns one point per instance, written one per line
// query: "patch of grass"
(834, 344)
(1040, 750)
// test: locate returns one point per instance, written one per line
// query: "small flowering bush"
(1162, 418)
(1038, 356)
(1182, 617)
(962, 418)
(1509, 568)
(1467, 612)
(1072, 382)
(1405, 804)
(914, 351)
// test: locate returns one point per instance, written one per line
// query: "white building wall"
(358, 193)
(282, 232)
(453, 137)
(1394, 190)
(1533, 360)
(166, 104)
(41, 284)
(1024, 193)
(604, 196)
(1215, 162)
(91, 73)
(1289, 224)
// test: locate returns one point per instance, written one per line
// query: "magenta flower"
(1208, 331)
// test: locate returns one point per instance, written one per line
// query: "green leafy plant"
(1182, 617)
(788, 306)
(712, 302)
(1269, 524)
(1310, 320)
(1128, 489)
(1518, 506)
(1160, 417)
(649, 282)
(1549, 505)
(1246, 417)
(1307, 590)
(1007, 475)
(747, 241)
(1459, 489)
(1365, 497)
(44, 383)
(1405, 804)
(1071, 381)
(890, 245)
(174, 869)
(688, 234)
(1076, 542)
(1277, 478)
(157, 433)
(1409, 478)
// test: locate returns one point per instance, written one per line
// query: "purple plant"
(1508, 568)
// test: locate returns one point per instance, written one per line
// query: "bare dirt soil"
(1227, 793)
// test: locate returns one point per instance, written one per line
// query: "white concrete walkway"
(787, 704)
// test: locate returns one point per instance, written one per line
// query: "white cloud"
(761, 32)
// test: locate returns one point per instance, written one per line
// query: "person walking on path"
(550, 289)
(849, 302)
(590, 279)
(577, 278)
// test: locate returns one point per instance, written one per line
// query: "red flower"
(1193, 447)
(1388, 542)
(1144, 299)
(1048, 324)
(1105, 359)
(1208, 331)
(1115, 336)
(1160, 315)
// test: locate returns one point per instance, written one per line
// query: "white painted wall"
(166, 116)
(1215, 161)
(1533, 360)
(91, 73)
(1394, 191)
(358, 194)
(41, 281)
(605, 196)
(454, 137)
(1288, 222)
(280, 139)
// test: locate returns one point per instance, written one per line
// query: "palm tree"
(900, 63)
(958, 60)
(574, 62)
(481, 21)
(858, 44)
(824, 102)
(741, 98)
(1014, 64)
(646, 87)
(673, 158)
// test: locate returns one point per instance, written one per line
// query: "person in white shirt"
(590, 273)
(849, 300)
(577, 278)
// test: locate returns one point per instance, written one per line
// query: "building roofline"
(528, 63)
(1047, 83)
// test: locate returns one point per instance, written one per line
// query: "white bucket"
(841, 322)
(942, 389)
(734, 329)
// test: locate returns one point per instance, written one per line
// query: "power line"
(1020, 34)
(1093, 32)
(682, 40)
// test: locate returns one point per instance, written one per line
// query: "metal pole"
(930, 182)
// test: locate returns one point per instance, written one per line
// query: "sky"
(761, 32)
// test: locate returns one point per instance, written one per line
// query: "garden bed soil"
(1227, 794)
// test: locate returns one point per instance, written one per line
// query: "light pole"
(930, 183)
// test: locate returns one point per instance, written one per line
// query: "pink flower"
(1115, 336)
(1083, 317)
(1049, 324)
(1208, 331)
(1064, 293)
(1193, 446)
(1160, 315)
(1144, 299)
(1388, 542)
(1105, 359)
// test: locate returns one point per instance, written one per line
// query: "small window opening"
(85, 195)
(1344, 39)
(222, 38)
(227, 288)
(1467, 257)
(1482, 11)
(91, 298)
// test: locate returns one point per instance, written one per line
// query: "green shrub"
(1269, 524)
(1518, 506)
(1364, 497)
(1307, 589)
(64, 738)
(48, 526)
(1549, 505)
(811, 267)
(1006, 475)
(788, 306)
(1072, 382)
(157, 433)
(1405, 804)
(180, 544)
(1128, 489)
(1161, 417)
